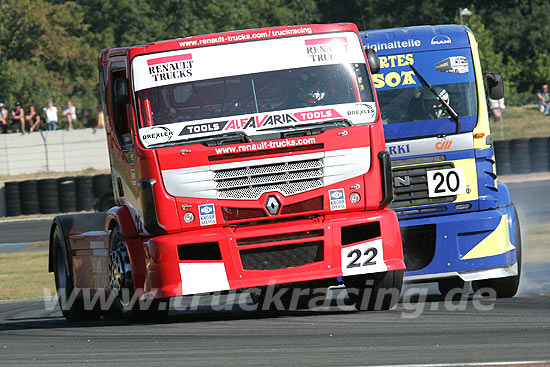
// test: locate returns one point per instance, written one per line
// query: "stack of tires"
(28, 191)
(13, 199)
(522, 155)
(47, 196)
(103, 192)
(67, 194)
(84, 193)
(538, 154)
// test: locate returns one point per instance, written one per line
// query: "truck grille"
(288, 178)
(416, 193)
(282, 257)
(249, 179)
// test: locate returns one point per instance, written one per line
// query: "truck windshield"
(254, 93)
(419, 103)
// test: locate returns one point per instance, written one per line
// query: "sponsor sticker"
(156, 135)
(441, 39)
(325, 49)
(207, 214)
(337, 199)
(362, 113)
(170, 67)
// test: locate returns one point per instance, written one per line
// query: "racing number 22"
(356, 255)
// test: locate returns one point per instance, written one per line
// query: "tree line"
(49, 48)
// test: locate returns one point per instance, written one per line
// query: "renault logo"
(401, 181)
(272, 205)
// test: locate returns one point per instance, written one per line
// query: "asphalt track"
(421, 330)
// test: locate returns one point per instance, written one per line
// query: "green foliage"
(48, 48)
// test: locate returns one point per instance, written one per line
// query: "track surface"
(516, 329)
(435, 331)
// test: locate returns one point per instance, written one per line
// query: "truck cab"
(456, 218)
(242, 160)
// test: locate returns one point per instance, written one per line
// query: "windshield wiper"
(449, 109)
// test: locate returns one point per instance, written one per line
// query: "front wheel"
(122, 286)
(374, 292)
(73, 306)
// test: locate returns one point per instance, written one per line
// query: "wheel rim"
(120, 271)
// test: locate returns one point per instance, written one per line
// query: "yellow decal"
(497, 243)
(394, 79)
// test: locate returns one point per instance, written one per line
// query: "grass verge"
(522, 122)
(24, 275)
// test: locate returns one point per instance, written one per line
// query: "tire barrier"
(62, 195)
(47, 196)
(502, 156)
(522, 155)
(13, 199)
(84, 193)
(538, 154)
(29, 197)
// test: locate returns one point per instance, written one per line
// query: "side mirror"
(121, 91)
(495, 86)
(374, 61)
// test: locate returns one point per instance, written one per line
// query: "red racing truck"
(240, 160)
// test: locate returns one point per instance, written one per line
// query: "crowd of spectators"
(25, 121)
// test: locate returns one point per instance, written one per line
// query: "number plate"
(362, 258)
(446, 182)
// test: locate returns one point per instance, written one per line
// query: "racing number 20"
(355, 254)
(447, 181)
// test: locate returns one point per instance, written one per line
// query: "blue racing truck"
(457, 221)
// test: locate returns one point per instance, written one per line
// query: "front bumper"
(473, 246)
(277, 253)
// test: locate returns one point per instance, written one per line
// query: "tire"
(122, 285)
(369, 292)
(506, 287)
(13, 198)
(446, 286)
(72, 309)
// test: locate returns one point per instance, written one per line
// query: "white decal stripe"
(266, 55)
(450, 143)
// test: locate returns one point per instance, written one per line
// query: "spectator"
(33, 119)
(3, 118)
(544, 100)
(51, 115)
(18, 117)
(497, 107)
(69, 111)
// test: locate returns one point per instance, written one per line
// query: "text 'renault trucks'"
(458, 224)
(239, 160)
